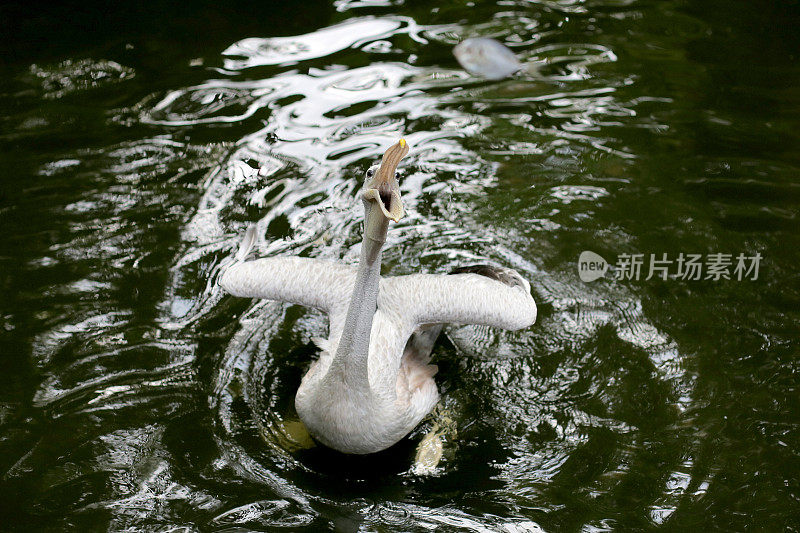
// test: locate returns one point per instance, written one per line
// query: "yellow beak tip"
(403, 143)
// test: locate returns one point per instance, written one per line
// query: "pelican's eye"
(397, 176)
(370, 173)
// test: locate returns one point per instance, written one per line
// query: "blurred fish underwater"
(487, 58)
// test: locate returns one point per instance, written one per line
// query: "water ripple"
(185, 392)
(72, 76)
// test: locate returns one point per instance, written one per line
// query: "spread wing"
(464, 298)
(300, 280)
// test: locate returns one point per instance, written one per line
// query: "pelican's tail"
(417, 355)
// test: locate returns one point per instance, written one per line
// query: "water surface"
(137, 146)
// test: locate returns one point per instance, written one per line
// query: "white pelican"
(372, 383)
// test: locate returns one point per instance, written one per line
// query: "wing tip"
(507, 276)
(533, 313)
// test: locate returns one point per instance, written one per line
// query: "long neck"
(350, 363)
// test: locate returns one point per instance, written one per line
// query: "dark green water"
(138, 143)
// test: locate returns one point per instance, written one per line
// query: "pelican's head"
(381, 188)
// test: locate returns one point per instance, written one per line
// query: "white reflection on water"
(256, 52)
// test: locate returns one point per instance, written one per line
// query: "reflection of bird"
(372, 383)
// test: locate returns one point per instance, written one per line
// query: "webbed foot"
(431, 448)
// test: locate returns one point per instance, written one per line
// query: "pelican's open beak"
(382, 188)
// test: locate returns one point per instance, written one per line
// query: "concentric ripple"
(296, 178)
